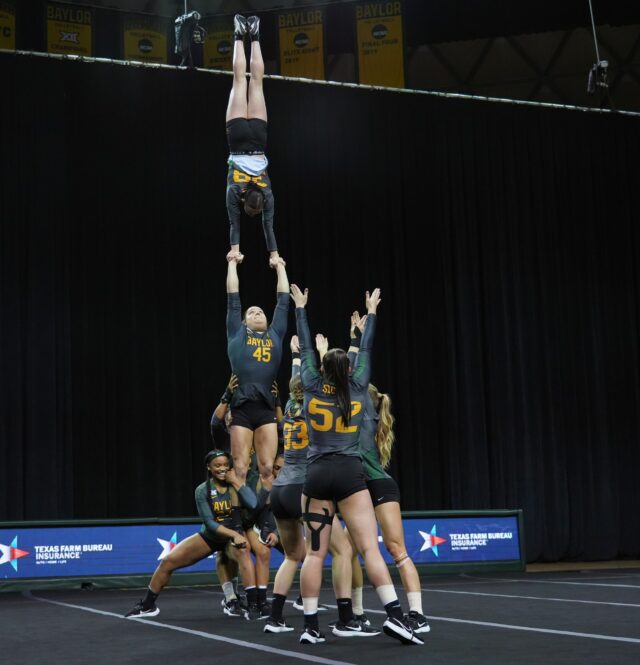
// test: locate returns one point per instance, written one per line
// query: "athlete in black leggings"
(248, 184)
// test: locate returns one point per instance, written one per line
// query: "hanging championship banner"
(7, 26)
(145, 39)
(69, 30)
(217, 50)
(380, 44)
(301, 36)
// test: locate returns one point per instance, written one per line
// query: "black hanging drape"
(505, 240)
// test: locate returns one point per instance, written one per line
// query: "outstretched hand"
(276, 261)
(373, 300)
(357, 325)
(294, 345)
(322, 344)
(299, 298)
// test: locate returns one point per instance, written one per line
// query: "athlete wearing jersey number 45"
(255, 350)
(333, 403)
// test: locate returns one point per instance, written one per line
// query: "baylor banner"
(7, 26)
(69, 30)
(145, 39)
(302, 43)
(217, 50)
(380, 44)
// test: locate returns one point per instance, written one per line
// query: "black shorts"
(253, 414)
(247, 136)
(285, 501)
(216, 543)
(334, 477)
(383, 490)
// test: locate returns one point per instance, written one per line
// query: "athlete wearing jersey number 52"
(333, 404)
(255, 350)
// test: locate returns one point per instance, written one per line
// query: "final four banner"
(217, 50)
(145, 39)
(301, 36)
(69, 30)
(380, 44)
(7, 25)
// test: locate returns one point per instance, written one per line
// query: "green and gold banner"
(217, 50)
(302, 43)
(144, 39)
(7, 26)
(69, 30)
(380, 44)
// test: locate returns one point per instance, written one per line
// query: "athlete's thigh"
(265, 441)
(313, 526)
(340, 542)
(291, 536)
(390, 520)
(357, 512)
(188, 551)
(241, 442)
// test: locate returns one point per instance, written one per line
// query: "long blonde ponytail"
(384, 434)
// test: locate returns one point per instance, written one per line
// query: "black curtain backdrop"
(505, 240)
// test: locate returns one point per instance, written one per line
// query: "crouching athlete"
(218, 501)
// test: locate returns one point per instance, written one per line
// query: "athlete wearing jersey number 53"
(333, 403)
(255, 350)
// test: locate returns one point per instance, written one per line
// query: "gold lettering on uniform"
(240, 177)
(328, 390)
(378, 10)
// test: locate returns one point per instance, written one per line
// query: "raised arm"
(322, 345)
(309, 369)
(362, 370)
(233, 283)
(294, 345)
(281, 312)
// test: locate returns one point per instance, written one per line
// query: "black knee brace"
(316, 517)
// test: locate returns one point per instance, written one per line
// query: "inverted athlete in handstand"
(248, 184)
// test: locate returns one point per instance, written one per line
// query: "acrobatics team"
(335, 433)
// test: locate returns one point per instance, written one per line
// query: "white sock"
(229, 593)
(415, 601)
(310, 605)
(386, 593)
(356, 600)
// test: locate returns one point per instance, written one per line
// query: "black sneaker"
(332, 624)
(400, 630)
(310, 636)
(253, 27)
(265, 610)
(240, 27)
(252, 613)
(139, 611)
(418, 622)
(353, 628)
(232, 608)
(275, 626)
(363, 619)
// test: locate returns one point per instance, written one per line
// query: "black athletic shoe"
(363, 619)
(139, 611)
(353, 628)
(274, 626)
(240, 27)
(310, 636)
(265, 610)
(252, 613)
(253, 27)
(418, 622)
(400, 630)
(232, 608)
